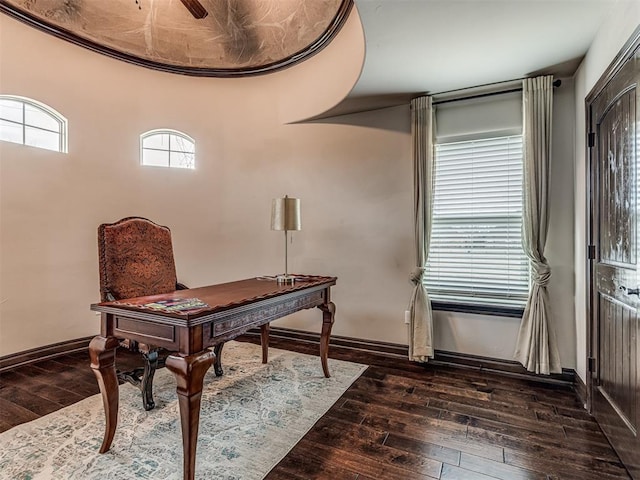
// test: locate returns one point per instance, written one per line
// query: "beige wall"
(355, 192)
(354, 178)
(623, 19)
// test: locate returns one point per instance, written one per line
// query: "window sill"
(515, 312)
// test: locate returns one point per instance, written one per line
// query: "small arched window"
(167, 148)
(28, 122)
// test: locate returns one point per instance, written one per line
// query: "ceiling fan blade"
(196, 8)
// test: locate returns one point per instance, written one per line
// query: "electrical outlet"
(407, 317)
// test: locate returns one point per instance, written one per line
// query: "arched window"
(167, 148)
(28, 122)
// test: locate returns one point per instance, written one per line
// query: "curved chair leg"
(146, 382)
(217, 363)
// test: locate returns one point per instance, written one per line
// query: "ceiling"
(192, 37)
(434, 46)
(412, 46)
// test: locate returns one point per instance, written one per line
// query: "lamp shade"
(285, 214)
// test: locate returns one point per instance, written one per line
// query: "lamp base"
(286, 279)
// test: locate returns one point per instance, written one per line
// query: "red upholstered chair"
(136, 259)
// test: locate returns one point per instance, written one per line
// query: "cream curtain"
(537, 348)
(421, 319)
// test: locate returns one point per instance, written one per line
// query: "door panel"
(615, 304)
(618, 340)
(618, 195)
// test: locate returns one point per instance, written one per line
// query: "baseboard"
(444, 358)
(501, 366)
(370, 346)
(44, 353)
(581, 390)
(394, 350)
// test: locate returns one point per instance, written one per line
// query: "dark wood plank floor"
(399, 421)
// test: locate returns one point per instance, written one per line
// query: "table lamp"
(285, 215)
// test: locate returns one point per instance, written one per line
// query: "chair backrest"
(136, 259)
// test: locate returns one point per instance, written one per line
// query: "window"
(167, 148)
(476, 255)
(28, 122)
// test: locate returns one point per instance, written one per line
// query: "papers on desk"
(177, 304)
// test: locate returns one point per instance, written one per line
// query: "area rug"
(250, 418)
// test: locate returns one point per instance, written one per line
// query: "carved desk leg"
(102, 351)
(264, 341)
(328, 317)
(189, 372)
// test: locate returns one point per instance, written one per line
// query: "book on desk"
(177, 304)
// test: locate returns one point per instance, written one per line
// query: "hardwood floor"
(399, 421)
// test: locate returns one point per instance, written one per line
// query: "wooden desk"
(233, 308)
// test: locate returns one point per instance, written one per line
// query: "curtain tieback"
(416, 275)
(541, 274)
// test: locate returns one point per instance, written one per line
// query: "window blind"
(470, 119)
(476, 256)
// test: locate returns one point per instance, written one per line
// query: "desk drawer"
(239, 322)
(145, 332)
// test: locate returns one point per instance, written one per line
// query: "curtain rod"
(556, 83)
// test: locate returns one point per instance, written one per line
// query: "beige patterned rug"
(250, 418)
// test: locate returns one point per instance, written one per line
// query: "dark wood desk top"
(219, 298)
(231, 309)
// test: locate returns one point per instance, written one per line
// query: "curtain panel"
(536, 347)
(421, 318)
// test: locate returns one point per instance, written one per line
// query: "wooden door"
(615, 384)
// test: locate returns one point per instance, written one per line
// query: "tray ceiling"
(193, 37)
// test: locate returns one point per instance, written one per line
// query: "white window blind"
(476, 255)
